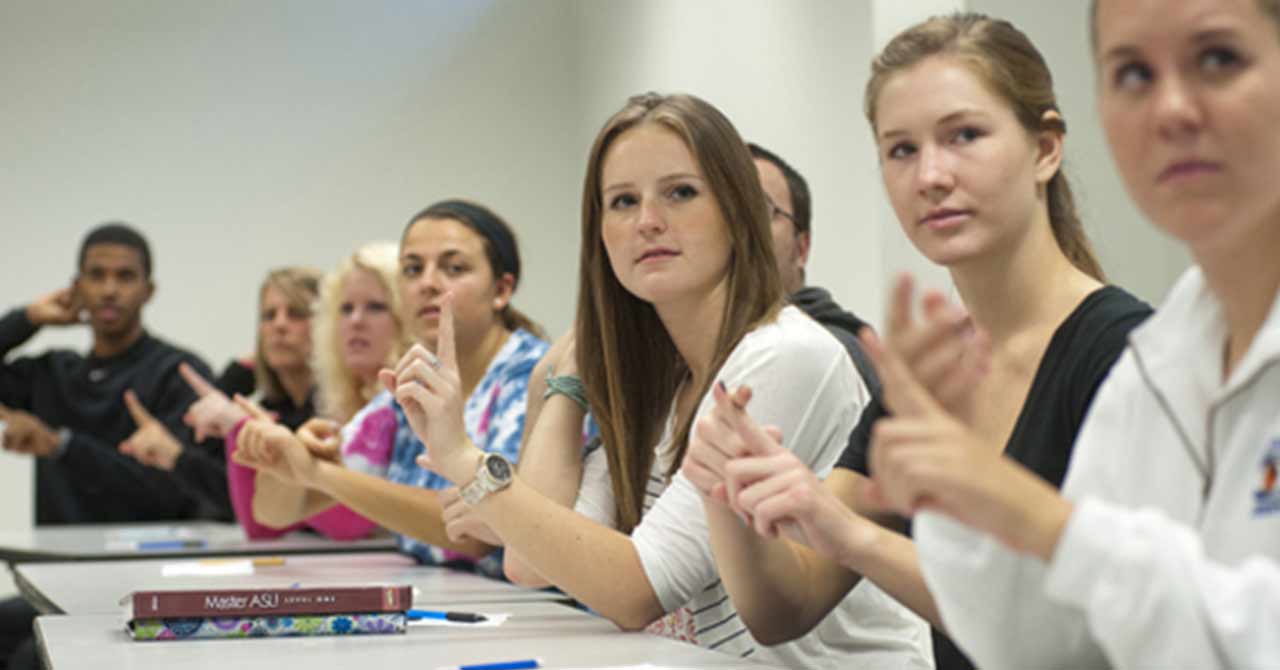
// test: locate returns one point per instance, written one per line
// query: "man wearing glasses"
(790, 209)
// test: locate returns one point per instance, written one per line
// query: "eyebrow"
(1129, 51)
(671, 177)
(949, 118)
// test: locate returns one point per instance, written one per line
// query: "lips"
(106, 313)
(357, 344)
(657, 254)
(943, 218)
(1188, 168)
(429, 312)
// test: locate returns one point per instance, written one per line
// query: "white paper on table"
(490, 621)
(217, 568)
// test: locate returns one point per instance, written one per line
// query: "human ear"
(1049, 143)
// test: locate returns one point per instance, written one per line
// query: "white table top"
(159, 540)
(96, 587)
(561, 637)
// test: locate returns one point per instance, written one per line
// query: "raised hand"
(25, 433)
(267, 446)
(60, 308)
(460, 520)
(923, 458)
(429, 389)
(323, 438)
(725, 433)
(212, 414)
(945, 353)
(783, 497)
(152, 443)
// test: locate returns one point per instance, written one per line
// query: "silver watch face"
(498, 468)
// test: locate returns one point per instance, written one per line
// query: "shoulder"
(166, 356)
(1100, 326)
(517, 357)
(794, 337)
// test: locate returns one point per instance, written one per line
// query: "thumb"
(424, 462)
(139, 413)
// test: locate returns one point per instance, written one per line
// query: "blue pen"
(525, 664)
(166, 545)
(463, 617)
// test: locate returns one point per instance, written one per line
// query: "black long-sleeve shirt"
(90, 481)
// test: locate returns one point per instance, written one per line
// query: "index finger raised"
(199, 384)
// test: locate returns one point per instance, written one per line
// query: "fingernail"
(720, 384)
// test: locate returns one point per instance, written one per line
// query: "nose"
(934, 177)
(652, 219)
(1178, 115)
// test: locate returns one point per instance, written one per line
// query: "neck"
(1246, 279)
(694, 326)
(108, 345)
(1027, 286)
(297, 383)
(474, 361)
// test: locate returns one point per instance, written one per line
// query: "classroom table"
(561, 637)
(95, 542)
(96, 587)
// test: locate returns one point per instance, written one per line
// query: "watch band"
(493, 473)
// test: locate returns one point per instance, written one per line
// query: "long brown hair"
(1004, 58)
(629, 364)
(1270, 8)
(301, 287)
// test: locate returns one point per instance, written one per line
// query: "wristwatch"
(492, 475)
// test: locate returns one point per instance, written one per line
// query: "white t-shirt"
(802, 382)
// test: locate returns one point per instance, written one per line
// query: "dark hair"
(117, 232)
(1271, 8)
(629, 364)
(500, 247)
(801, 203)
(1009, 64)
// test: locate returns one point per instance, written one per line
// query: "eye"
(454, 269)
(622, 201)
(410, 270)
(901, 150)
(682, 192)
(1131, 76)
(966, 135)
(268, 315)
(375, 306)
(1218, 59)
(296, 314)
(346, 309)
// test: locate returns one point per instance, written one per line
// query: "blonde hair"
(1006, 60)
(300, 286)
(629, 364)
(341, 394)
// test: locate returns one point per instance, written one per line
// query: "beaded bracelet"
(567, 385)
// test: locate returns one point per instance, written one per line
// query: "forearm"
(277, 503)
(890, 562)
(780, 589)
(550, 463)
(408, 510)
(15, 329)
(598, 566)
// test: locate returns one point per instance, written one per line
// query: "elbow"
(774, 630)
(633, 620)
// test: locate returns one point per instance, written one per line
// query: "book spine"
(270, 602)
(373, 623)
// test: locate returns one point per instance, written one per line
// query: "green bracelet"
(567, 385)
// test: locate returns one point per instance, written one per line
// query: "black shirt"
(1079, 357)
(90, 481)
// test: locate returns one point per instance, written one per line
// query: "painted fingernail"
(720, 384)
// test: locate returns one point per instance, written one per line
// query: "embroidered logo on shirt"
(1267, 498)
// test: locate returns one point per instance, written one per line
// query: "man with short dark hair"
(69, 410)
(790, 212)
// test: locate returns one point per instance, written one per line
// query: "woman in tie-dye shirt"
(463, 249)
